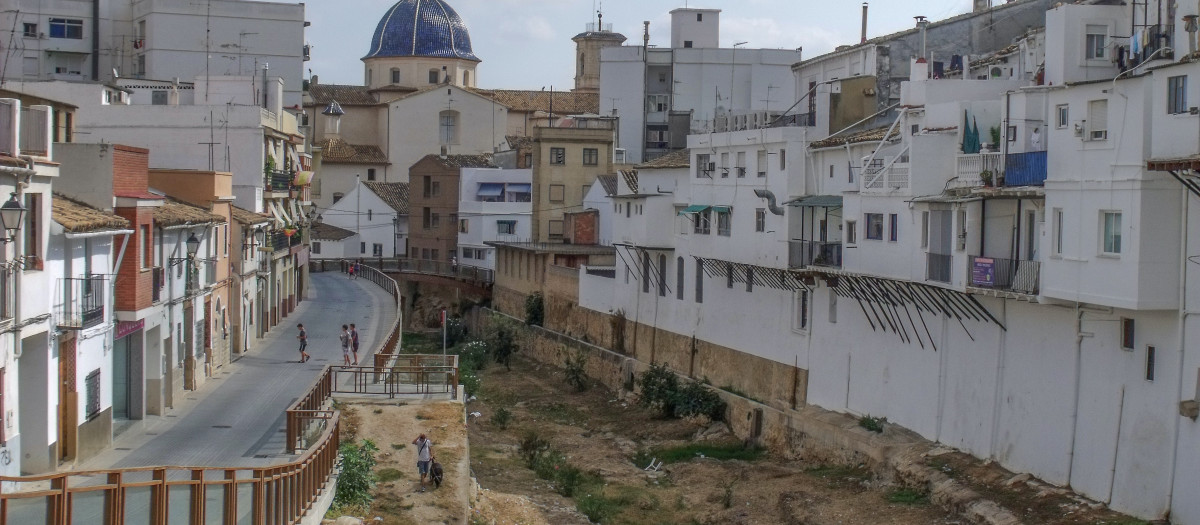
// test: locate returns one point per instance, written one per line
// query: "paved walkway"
(236, 418)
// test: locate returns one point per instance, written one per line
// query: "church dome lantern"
(421, 28)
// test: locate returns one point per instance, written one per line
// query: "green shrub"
(576, 370)
(501, 418)
(695, 399)
(727, 451)
(456, 331)
(660, 387)
(874, 424)
(532, 448)
(535, 309)
(503, 346)
(596, 507)
(356, 479)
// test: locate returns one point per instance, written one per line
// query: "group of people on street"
(348, 339)
(353, 268)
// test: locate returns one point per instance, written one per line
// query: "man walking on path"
(354, 341)
(344, 337)
(303, 337)
(424, 457)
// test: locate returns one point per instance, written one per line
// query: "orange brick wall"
(133, 283)
(130, 170)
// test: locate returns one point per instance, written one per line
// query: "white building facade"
(495, 205)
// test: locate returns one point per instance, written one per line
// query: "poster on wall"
(983, 272)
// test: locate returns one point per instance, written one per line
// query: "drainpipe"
(1183, 314)
(96, 40)
(1079, 335)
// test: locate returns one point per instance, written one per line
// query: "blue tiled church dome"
(421, 28)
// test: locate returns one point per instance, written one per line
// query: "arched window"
(466, 79)
(395, 75)
(581, 56)
(448, 127)
(679, 278)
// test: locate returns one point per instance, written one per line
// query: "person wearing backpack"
(424, 457)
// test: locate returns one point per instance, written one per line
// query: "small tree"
(503, 347)
(357, 477)
(660, 386)
(535, 309)
(576, 370)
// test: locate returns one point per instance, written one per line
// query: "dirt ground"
(392, 426)
(601, 433)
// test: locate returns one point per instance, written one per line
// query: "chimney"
(1189, 25)
(922, 23)
(919, 70)
(982, 5)
(864, 23)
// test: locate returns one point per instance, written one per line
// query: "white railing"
(971, 166)
(8, 127)
(35, 130)
(886, 178)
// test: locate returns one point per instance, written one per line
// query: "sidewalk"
(236, 419)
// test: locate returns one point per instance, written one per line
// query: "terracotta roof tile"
(609, 183)
(675, 159)
(394, 194)
(329, 232)
(631, 179)
(338, 151)
(565, 102)
(77, 217)
(345, 95)
(463, 161)
(175, 213)
(870, 135)
(248, 218)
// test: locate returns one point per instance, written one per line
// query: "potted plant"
(986, 177)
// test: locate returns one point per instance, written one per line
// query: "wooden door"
(68, 401)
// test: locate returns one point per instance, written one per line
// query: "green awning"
(818, 201)
(722, 209)
(695, 208)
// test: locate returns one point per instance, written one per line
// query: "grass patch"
(388, 474)
(841, 475)
(600, 508)
(560, 413)
(908, 497)
(874, 424)
(723, 452)
(398, 446)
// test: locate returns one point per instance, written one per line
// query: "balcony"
(885, 178)
(279, 241)
(278, 181)
(82, 303)
(972, 166)
(1025, 169)
(802, 254)
(1004, 274)
(937, 267)
(158, 280)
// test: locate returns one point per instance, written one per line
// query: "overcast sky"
(526, 44)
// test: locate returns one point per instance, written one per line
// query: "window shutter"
(1098, 119)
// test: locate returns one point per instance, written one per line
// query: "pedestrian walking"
(424, 457)
(357, 269)
(350, 270)
(303, 337)
(354, 341)
(344, 337)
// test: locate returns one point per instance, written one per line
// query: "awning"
(520, 188)
(722, 209)
(279, 220)
(818, 201)
(490, 189)
(303, 178)
(695, 208)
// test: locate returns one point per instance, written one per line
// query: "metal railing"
(1025, 169)
(972, 166)
(278, 181)
(937, 267)
(802, 254)
(1004, 274)
(35, 129)
(406, 265)
(894, 177)
(799, 120)
(279, 241)
(82, 303)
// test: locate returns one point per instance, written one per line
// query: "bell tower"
(588, 45)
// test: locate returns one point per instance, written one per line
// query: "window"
(704, 166)
(316, 247)
(370, 215)
(370, 173)
(924, 229)
(893, 227)
(723, 223)
(91, 392)
(699, 280)
(558, 156)
(782, 159)
(1063, 118)
(1177, 95)
(462, 225)
(377, 249)
(1058, 231)
(800, 313)
(760, 163)
(433, 76)
(1150, 351)
(467, 78)
(506, 227)
(740, 167)
(679, 278)
(66, 28)
(337, 196)
(33, 232)
(591, 156)
(558, 192)
(729, 275)
(662, 275)
(699, 17)
(1112, 232)
(657, 103)
(448, 127)
(1096, 42)
(415, 253)
(434, 254)
(395, 75)
(435, 221)
(645, 272)
(30, 30)
(1097, 120)
(436, 188)
(833, 308)
(851, 232)
(427, 186)
(426, 218)
(703, 222)
(875, 226)
(425, 253)
(1127, 340)
(555, 227)
(687, 43)
(362, 247)
(760, 220)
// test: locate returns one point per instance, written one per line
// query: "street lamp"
(193, 245)
(11, 214)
